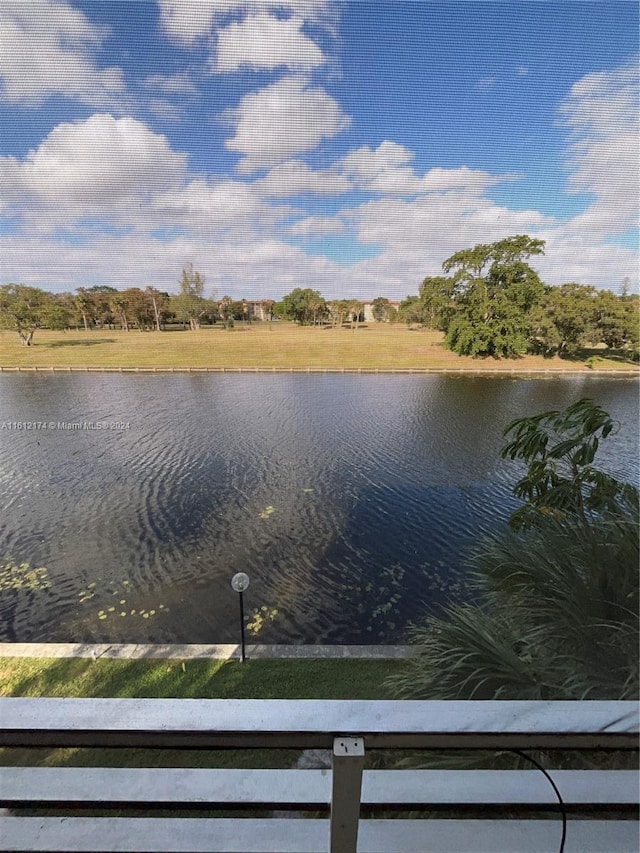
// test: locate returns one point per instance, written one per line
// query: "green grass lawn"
(196, 679)
(279, 345)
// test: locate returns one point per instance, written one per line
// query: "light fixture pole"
(240, 582)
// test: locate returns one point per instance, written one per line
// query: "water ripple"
(350, 500)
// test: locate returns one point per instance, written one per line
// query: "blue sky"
(350, 146)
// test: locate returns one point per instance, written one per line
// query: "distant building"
(368, 310)
(254, 309)
(262, 309)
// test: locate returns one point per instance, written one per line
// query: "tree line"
(308, 307)
(25, 309)
(489, 302)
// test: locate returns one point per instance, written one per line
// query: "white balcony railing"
(520, 809)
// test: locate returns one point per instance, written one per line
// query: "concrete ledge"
(492, 371)
(130, 651)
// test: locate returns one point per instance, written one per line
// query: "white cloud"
(220, 207)
(186, 21)
(472, 180)
(250, 266)
(49, 49)
(263, 42)
(171, 84)
(386, 169)
(234, 240)
(448, 221)
(169, 94)
(602, 112)
(317, 226)
(295, 177)
(102, 166)
(282, 120)
(383, 169)
(89, 176)
(577, 257)
(106, 171)
(485, 84)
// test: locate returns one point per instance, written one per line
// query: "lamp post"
(240, 582)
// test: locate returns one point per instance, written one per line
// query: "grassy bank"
(196, 679)
(188, 679)
(280, 345)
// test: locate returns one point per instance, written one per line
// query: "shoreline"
(458, 371)
(194, 651)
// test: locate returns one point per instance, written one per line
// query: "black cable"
(563, 811)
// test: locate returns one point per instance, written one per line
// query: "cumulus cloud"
(295, 177)
(106, 171)
(317, 226)
(386, 169)
(235, 239)
(102, 166)
(217, 206)
(49, 49)
(287, 118)
(601, 111)
(262, 42)
(248, 265)
(452, 220)
(472, 180)
(186, 21)
(570, 256)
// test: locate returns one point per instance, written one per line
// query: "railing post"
(347, 764)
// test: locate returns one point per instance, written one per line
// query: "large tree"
(574, 316)
(338, 310)
(190, 305)
(225, 309)
(318, 309)
(119, 306)
(148, 308)
(356, 312)
(494, 289)
(617, 320)
(303, 305)
(564, 319)
(25, 309)
(159, 303)
(436, 296)
(101, 295)
(411, 311)
(85, 304)
(380, 309)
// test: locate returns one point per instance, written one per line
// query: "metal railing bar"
(205, 723)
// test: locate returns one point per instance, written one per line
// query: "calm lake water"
(349, 500)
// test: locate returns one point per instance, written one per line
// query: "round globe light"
(240, 582)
